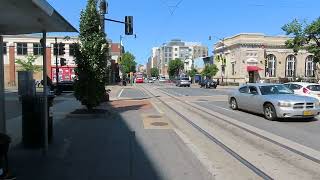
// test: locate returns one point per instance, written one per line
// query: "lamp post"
(103, 8)
(222, 56)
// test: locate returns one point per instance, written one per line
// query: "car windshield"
(314, 87)
(186, 79)
(275, 89)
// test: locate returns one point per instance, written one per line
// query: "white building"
(186, 51)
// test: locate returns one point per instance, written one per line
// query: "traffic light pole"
(57, 68)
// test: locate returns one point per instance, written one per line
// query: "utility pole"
(57, 68)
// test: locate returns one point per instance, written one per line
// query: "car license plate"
(307, 113)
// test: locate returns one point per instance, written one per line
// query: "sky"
(158, 21)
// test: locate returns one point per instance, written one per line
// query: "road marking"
(222, 108)
(119, 95)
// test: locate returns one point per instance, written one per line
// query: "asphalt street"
(132, 94)
(303, 132)
(13, 107)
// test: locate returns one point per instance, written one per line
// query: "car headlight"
(284, 104)
(317, 104)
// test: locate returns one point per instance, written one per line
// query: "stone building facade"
(255, 57)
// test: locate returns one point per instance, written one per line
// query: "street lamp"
(103, 7)
(222, 56)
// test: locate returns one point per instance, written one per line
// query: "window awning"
(31, 16)
(253, 68)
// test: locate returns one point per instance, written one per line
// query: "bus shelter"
(27, 17)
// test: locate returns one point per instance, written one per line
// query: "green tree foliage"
(128, 63)
(209, 70)
(28, 64)
(154, 72)
(192, 72)
(91, 58)
(175, 66)
(305, 37)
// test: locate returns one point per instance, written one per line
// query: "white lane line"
(119, 95)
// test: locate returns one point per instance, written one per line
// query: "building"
(186, 51)
(19, 46)
(250, 57)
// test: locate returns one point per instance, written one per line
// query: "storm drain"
(155, 116)
(155, 122)
(159, 124)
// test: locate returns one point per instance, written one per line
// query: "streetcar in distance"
(139, 77)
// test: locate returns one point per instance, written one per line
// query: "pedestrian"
(218, 81)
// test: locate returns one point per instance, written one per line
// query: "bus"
(139, 77)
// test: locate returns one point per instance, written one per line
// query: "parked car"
(305, 89)
(274, 101)
(162, 79)
(150, 80)
(183, 81)
(208, 83)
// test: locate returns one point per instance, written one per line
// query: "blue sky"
(158, 21)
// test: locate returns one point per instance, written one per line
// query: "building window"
(22, 48)
(72, 49)
(176, 49)
(271, 67)
(232, 66)
(291, 66)
(4, 48)
(37, 49)
(309, 67)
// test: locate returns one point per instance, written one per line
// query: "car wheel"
(270, 112)
(233, 104)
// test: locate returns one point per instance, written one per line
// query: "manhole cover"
(155, 116)
(159, 124)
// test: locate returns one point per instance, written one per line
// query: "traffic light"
(62, 49)
(63, 62)
(55, 49)
(128, 25)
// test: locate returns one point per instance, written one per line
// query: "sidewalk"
(121, 144)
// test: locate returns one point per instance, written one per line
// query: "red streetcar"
(139, 77)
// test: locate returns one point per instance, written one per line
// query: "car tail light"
(306, 91)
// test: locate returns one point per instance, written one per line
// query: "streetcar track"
(249, 131)
(243, 161)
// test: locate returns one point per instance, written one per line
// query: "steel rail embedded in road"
(252, 167)
(250, 131)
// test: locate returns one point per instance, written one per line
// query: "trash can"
(4, 147)
(32, 120)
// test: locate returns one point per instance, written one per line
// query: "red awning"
(253, 68)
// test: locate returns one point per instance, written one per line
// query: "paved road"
(13, 106)
(132, 93)
(305, 133)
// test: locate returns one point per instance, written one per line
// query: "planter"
(26, 83)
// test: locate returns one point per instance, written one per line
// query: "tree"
(209, 70)
(305, 37)
(154, 72)
(175, 66)
(91, 58)
(28, 64)
(192, 72)
(128, 63)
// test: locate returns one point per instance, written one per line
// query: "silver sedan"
(274, 101)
